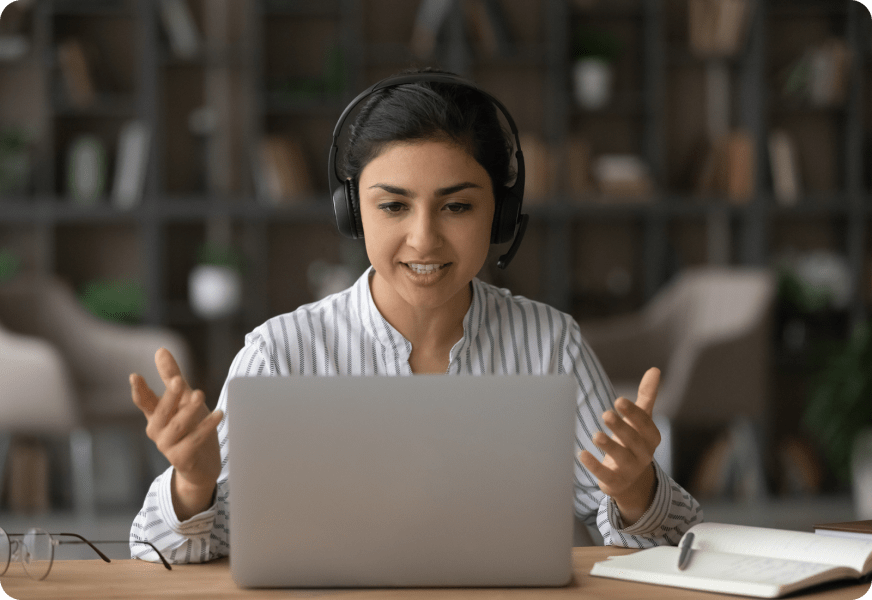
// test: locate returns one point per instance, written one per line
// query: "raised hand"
(626, 472)
(184, 430)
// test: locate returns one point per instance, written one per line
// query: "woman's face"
(426, 209)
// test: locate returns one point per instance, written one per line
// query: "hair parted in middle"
(430, 111)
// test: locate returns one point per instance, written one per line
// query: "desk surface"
(133, 579)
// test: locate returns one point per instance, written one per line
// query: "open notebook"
(750, 561)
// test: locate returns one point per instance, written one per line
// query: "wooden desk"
(133, 579)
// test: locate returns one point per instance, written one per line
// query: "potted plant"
(594, 53)
(215, 284)
(839, 413)
(121, 301)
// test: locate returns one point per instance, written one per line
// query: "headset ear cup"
(506, 215)
(342, 213)
(354, 208)
(497, 222)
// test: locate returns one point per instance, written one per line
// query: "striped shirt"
(344, 334)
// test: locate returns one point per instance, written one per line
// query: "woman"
(429, 162)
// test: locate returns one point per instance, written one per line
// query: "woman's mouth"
(425, 269)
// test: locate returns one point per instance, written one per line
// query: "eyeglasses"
(36, 550)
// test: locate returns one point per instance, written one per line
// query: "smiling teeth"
(423, 269)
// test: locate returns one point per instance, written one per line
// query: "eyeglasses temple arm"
(159, 555)
(97, 550)
(103, 556)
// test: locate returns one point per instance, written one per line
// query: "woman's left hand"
(626, 472)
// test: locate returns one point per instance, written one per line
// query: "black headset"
(508, 221)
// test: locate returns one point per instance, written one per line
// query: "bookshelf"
(288, 67)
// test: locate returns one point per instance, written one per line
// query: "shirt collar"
(378, 327)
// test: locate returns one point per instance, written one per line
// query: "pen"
(684, 545)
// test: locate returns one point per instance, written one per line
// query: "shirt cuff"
(653, 518)
(199, 524)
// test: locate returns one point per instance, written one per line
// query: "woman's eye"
(390, 207)
(458, 207)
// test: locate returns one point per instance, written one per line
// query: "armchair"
(66, 371)
(709, 333)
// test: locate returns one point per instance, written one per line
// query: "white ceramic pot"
(861, 474)
(214, 291)
(592, 79)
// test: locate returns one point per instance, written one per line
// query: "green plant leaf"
(839, 401)
(119, 301)
(596, 43)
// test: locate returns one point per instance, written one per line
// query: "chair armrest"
(627, 345)
(102, 352)
(35, 386)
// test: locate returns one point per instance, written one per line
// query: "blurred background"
(699, 184)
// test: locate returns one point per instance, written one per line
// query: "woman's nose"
(423, 232)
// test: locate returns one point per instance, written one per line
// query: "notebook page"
(779, 543)
(717, 571)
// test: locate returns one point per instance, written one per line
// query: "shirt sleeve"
(672, 512)
(205, 536)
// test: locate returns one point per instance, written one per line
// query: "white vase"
(592, 79)
(861, 474)
(214, 291)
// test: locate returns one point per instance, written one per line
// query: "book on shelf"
(729, 167)
(76, 73)
(430, 18)
(749, 561)
(718, 28)
(178, 22)
(577, 157)
(131, 164)
(740, 167)
(622, 178)
(538, 168)
(856, 530)
(86, 170)
(784, 164)
(283, 174)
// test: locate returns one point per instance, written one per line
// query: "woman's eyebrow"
(446, 191)
(392, 189)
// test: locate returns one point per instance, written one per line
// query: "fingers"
(206, 427)
(648, 390)
(625, 436)
(187, 448)
(167, 367)
(605, 476)
(142, 395)
(166, 407)
(635, 418)
(180, 424)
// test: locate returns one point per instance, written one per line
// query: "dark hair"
(426, 111)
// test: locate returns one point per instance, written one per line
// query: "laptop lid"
(401, 481)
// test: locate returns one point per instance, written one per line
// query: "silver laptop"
(424, 481)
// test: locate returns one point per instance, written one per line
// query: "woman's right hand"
(184, 430)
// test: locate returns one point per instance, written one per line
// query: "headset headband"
(398, 80)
